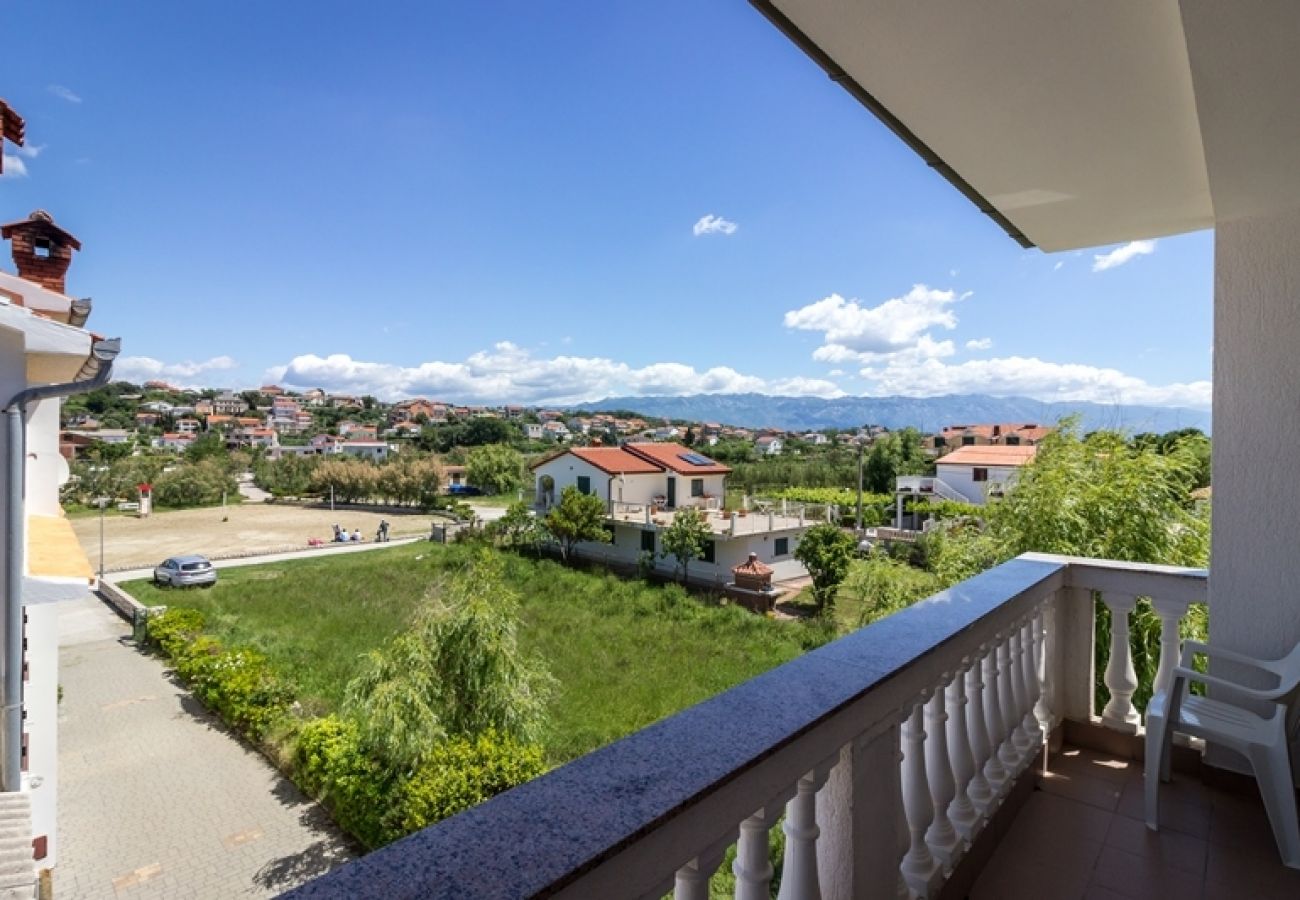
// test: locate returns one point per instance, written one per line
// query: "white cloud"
(1120, 255)
(511, 374)
(14, 167)
(31, 151)
(712, 224)
(981, 344)
(1057, 267)
(854, 332)
(63, 93)
(1030, 377)
(182, 374)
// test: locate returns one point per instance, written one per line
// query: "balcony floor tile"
(1082, 835)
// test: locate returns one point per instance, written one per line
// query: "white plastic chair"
(1263, 739)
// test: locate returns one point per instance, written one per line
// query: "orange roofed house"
(644, 485)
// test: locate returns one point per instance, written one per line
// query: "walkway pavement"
(156, 798)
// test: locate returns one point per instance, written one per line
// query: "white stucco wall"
(41, 702)
(1255, 567)
(961, 478)
(566, 469)
(728, 552)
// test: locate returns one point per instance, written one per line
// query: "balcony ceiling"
(1075, 124)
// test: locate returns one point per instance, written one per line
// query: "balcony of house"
(755, 516)
(953, 749)
(928, 486)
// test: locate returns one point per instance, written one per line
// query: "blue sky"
(499, 202)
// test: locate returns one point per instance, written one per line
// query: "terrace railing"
(928, 484)
(883, 755)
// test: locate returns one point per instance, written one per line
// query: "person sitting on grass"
(356, 535)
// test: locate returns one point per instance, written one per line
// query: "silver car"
(185, 571)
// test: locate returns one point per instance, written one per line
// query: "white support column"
(960, 811)
(753, 867)
(1171, 644)
(994, 772)
(692, 880)
(858, 812)
(1045, 667)
(799, 877)
(1030, 639)
(1008, 754)
(1020, 705)
(1075, 666)
(981, 795)
(945, 843)
(1121, 679)
(920, 868)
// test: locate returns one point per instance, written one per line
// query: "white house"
(375, 451)
(816, 438)
(45, 354)
(978, 472)
(533, 431)
(769, 445)
(643, 485)
(174, 440)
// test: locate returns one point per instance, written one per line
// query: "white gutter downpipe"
(11, 622)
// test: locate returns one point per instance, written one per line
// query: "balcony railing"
(886, 752)
(928, 484)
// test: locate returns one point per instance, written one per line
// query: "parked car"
(185, 571)
(463, 490)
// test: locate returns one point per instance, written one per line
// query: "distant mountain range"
(925, 413)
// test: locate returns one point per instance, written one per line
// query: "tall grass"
(624, 653)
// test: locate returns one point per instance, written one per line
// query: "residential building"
(375, 451)
(230, 404)
(187, 426)
(1008, 435)
(173, 440)
(816, 438)
(1071, 125)
(534, 431)
(769, 445)
(643, 485)
(203, 407)
(45, 354)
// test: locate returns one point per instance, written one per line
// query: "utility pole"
(860, 450)
(102, 502)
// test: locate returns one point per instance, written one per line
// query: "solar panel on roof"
(696, 459)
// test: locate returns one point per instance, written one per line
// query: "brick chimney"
(42, 250)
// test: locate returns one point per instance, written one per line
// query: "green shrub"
(460, 773)
(239, 685)
(174, 629)
(331, 765)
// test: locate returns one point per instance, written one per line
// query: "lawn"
(624, 653)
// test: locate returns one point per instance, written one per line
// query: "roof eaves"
(888, 119)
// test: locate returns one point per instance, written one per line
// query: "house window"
(584, 484)
(968, 440)
(41, 248)
(697, 487)
(647, 542)
(710, 551)
(980, 475)
(940, 441)
(1013, 440)
(781, 546)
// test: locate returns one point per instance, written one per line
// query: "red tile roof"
(994, 455)
(615, 460)
(669, 456)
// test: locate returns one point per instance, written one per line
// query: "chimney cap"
(42, 223)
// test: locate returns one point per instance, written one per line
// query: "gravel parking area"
(237, 530)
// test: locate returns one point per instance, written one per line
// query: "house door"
(672, 492)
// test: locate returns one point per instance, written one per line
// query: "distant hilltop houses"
(283, 422)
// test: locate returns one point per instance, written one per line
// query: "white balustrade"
(878, 802)
(920, 868)
(945, 843)
(753, 867)
(799, 878)
(981, 794)
(995, 773)
(961, 810)
(1008, 753)
(1019, 697)
(1121, 679)
(1030, 644)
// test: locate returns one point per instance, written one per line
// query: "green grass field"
(624, 653)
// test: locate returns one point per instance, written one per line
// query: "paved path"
(309, 553)
(156, 798)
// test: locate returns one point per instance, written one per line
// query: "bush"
(174, 630)
(239, 685)
(331, 766)
(460, 773)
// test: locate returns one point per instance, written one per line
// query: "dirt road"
(248, 528)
